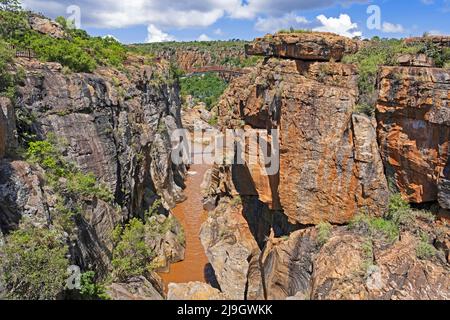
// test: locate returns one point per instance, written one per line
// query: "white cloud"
(218, 32)
(342, 25)
(392, 28)
(156, 35)
(204, 37)
(272, 24)
(174, 13)
(110, 36)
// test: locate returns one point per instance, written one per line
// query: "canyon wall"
(414, 131)
(335, 157)
(320, 228)
(113, 124)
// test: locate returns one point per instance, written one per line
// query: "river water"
(191, 215)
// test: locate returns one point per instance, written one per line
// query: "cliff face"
(414, 131)
(310, 46)
(330, 168)
(113, 124)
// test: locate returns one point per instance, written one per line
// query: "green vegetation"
(12, 18)
(385, 52)
(424, 249)
(77, 51)
(324, 230)
(205, 88)
(131, 256)
(48, 155)
(368, 60)
(376, 227)
(7, 83)
(90, 289)
(34, 264)
(400, 211)
(293, 30)
(234, 49)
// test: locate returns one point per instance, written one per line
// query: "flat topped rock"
(312, 46)
(440, 41)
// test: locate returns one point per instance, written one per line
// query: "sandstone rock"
(232, 252)
(138, 288)
(193, 291)
(303, 46)
(439, 41)
(405, 277)
(324, 158)
(418, 60)
(288, 265)
(46, 26)
(413, 130)
(339, 269)
(168, 246)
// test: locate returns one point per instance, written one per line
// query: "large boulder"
(413, 116)
(330, 167)
(233, 252)
(303, 46)
(193, 291)
(138, 288)
(46, 26)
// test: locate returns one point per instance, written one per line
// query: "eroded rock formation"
(330, 167)
(414, 131)
(303, 46)
(120, 133)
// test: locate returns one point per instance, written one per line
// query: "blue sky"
(138, 21)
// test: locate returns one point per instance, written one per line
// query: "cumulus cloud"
(342, 25)
(392, 28)
(204, 37)
(156, 35)
(272, 24)
(174, 13)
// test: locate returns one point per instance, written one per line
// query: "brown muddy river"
(191, 215)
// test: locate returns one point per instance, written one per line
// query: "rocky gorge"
(330, 224)
(358, 209)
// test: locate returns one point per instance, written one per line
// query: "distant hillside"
(198, 54)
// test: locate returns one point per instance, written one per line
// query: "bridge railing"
(21, 53)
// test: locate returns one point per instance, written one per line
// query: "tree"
(34, 264)
(12, 18)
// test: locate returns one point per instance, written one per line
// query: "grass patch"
(324, 230)
(376, 227)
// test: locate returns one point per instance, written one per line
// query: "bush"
(6, 79)
(400, 211)
(376, 227)
(90, 289)
(424, 249)
(131, 256)
(48, 155)
(79, 52)
(34, 264)
(324, 232)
